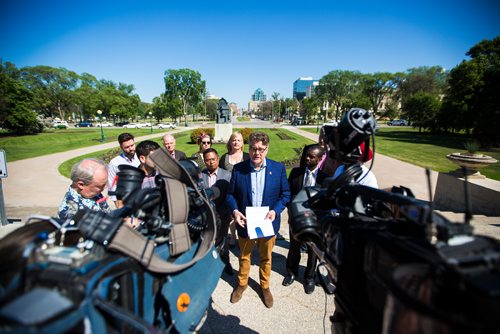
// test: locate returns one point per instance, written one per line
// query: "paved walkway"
(34, 186)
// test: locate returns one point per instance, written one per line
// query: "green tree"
(340, 88)
(159, 107)
(310, 108)
(86, 97)
(211, 108)
(421, 109)
(378, 87)
(15, 103)
(117, 101)
(52, 88)
(472, 102)
(184, 85)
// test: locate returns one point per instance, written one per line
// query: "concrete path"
(34, 186)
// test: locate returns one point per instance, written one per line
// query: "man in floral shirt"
(89, 178)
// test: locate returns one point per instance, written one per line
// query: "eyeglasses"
(260, 150)
(205, 142)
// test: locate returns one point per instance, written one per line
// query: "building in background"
(304, 87)
(259, 95)
(257, 99)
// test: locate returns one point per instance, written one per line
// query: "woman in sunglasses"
(204, 141)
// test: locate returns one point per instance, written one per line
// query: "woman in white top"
(234, 155)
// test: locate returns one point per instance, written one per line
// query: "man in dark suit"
(215, 177)
(169, 144)
(299, 178)
(258, 182)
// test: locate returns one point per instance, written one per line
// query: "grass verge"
(426, 149)
(285, 146)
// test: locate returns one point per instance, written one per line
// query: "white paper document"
(257, 225)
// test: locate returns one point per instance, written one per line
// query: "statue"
(223, 112)
(223, 125)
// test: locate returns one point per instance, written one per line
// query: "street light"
(319, 115)
(99, 112)
(151, 121)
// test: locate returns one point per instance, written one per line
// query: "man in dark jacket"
(299, 178)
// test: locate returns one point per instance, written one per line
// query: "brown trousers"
(265, 256)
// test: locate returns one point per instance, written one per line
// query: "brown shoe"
(237, 293)
(268, 297)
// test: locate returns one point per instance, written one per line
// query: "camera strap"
(137, 246)
(132, 243)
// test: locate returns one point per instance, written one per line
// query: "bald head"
(169, 143)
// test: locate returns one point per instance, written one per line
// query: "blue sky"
(239, 46)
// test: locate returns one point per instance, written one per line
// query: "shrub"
(245, 132)
(197, 133)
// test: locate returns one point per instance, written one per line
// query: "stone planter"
(472, 162)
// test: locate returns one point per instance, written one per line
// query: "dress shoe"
(289, 279)
(309, 286)
(268, 297)
(237, 293)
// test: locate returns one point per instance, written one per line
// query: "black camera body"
(394, 264)
(94, 273)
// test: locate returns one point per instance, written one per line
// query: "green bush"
(196, 134)
(245, 132)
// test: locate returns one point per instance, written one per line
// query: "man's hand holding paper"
(259, 224)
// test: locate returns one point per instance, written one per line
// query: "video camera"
(394, 264)
(94, 273)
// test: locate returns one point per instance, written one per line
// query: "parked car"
(84, 124)
(60, 124)
(133, 126)
(106, 124)
(167, 125)
(398, 122)
(331, 123)
(121, 124)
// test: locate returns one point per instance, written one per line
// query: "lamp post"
(99, 112)
(319, 115)
(151, 121)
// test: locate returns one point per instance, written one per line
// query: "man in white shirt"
(127, 157)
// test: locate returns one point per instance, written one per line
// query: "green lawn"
(426, 149)
(61, 140)
(285, 147)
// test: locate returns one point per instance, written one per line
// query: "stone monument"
(223, 125)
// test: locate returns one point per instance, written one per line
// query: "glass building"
(259, 95)
(302, 85)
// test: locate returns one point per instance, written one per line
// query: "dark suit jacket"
(296, 179)
(179, 155)
(328, 167)
(222, 183)
(276, 193)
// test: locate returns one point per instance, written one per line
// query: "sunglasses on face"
(205, 142)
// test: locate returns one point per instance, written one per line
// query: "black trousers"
(293, 259)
